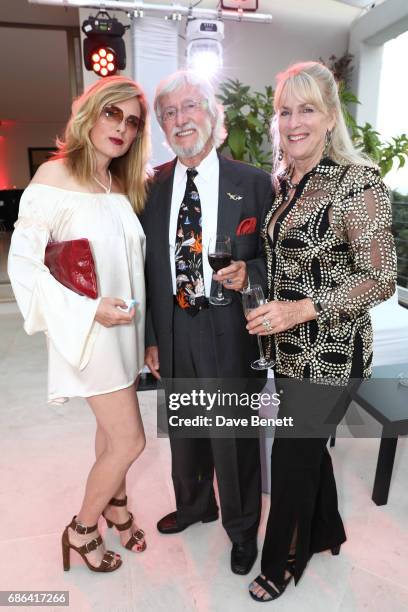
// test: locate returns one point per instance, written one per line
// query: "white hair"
(181, 78)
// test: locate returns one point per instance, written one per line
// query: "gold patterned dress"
(332, 243)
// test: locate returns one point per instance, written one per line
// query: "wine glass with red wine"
(219, 256)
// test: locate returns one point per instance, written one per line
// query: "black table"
(386, 400)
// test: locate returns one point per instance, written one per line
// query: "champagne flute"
(251, 299)
(219, 256)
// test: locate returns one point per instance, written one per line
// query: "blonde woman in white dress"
(93, 189)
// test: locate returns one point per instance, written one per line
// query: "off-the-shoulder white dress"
(85, 358)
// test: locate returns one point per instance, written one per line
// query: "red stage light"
(104, 40)
(104, 62)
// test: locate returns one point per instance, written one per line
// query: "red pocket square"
(247, 226)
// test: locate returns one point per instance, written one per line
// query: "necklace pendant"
(107, 189)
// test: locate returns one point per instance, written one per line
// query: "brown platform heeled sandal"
(137, 538)
(109, 556)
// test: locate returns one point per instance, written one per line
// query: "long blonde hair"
(131, 170)
(312, 82)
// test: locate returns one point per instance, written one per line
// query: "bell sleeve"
(68, 319)
(362, 216)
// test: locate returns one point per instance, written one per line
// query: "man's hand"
(234, 276)
(152, 360)
(108, 314)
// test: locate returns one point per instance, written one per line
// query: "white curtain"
(155, 55)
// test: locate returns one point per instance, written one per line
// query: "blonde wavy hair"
(131, 170)
(313, 83)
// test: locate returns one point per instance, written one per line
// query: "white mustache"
(187, 126)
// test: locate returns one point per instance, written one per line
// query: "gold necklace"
(107, 189)
(290, 184)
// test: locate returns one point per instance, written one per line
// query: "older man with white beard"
(192, 198)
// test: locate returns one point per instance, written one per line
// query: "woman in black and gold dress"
(330, 257)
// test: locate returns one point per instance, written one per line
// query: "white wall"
(155, 56)
(34, 85)
(23, 12)
(367, 37)
(35, 100)
(254, 53)
(392, 116)
(14, 142)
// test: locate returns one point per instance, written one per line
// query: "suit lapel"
(164, 190)
(230, 198)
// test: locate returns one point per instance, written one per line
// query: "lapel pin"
(234, 196)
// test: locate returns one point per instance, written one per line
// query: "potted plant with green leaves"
(249, 114)
(248, 117)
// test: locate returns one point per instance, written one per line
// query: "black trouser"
(303, 488)
(236, 461)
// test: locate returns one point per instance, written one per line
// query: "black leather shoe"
(170, 524)
(243, 556)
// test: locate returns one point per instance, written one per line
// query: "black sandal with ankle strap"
(269, 589)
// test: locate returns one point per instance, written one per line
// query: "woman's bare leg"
(100, 446)
(118, 419)
(117, 514)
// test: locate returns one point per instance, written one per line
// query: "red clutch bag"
(72, 264)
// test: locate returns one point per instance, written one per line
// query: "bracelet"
(318, 309)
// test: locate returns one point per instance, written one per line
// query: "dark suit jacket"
(235, 347)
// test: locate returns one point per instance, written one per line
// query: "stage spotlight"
(204, 49)
(206, 61)
(104, 48)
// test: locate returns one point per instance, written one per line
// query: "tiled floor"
(46, 453)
